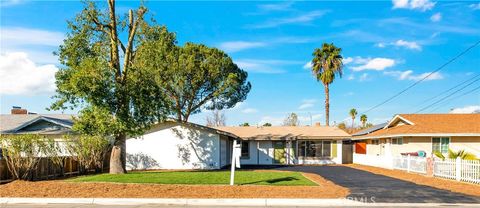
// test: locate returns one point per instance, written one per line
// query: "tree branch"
(131, 35)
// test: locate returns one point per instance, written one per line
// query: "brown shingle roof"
(430, 124)
(286, 132)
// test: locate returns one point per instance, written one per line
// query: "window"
(375, 142)
(315, 148)
(440, 144)
(245, 149)
(397, 141)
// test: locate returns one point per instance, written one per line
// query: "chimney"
(18, 110)
(317, 124)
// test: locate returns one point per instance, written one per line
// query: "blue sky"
(387, 46)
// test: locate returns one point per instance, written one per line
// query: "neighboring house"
(20, 122)
(291, 144)
(417, 133)
(178, 145)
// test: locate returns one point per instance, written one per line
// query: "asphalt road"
(368, 187)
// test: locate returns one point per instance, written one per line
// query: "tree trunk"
(327, 105)
(353, 122)
(118, 156)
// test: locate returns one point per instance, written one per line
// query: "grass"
(203, 177)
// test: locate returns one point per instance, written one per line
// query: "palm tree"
(363, 119)
(353, 113)
(326, 63)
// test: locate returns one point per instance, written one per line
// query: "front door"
(279, 152)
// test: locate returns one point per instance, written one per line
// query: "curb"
(216, 202)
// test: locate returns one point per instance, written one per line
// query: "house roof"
(428, 125)
(12, 123)
(370, 130)
(286, 132)
(206, 128)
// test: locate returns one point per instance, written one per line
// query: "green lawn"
(203, 177)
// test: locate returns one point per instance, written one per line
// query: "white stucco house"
(177, 145)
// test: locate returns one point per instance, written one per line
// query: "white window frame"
(440, 143)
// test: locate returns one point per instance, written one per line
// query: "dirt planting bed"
(325, 189)
(440, 183)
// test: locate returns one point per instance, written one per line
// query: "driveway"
(369, 187)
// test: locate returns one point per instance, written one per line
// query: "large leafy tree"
(105, 73)
(201, 77)
(326, 64)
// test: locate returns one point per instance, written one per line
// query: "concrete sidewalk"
(216, 202)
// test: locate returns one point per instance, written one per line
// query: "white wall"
(265, 152)
(173, 146)
(252, 159)
(373, 160)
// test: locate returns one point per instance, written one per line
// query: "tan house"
(292, 144)
(419, 134)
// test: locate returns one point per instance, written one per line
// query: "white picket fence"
(410, 164)
(455, 169)
(460, 170)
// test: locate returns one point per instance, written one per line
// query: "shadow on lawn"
(272, 181)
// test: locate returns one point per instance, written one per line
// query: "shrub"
(23, 153)
(89, 151)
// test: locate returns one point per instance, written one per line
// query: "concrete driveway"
(370, 187)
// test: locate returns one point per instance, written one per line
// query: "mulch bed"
(440, 183)
(54, 189)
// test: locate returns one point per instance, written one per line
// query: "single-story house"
(54, 125)
(417, 133)
(179, 145)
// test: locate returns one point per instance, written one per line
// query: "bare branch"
(132, 26)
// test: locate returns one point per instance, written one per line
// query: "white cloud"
(276, 7)
(234, 46)
(436, 17)
(364, 77)
(6, 3)
(409, 75)
(475, 6)
(267, 66)
(307, 103)
(306, 119)
(20, 76)
(401, 43)
(300, 19)
(25, 36)
(351, 77)
(273, 120)
(467, 109)
(408, 44)
(380, 45)
(347, 60)
(38, 44)
(308, 65)
(249, 110)
(374, 64)
(422, 5)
